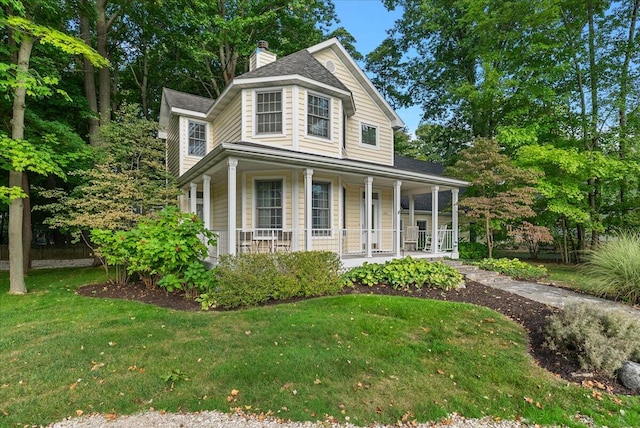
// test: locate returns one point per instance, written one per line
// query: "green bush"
(598, 339)
(248, 280)
(165, 250)
(514, 268)
(472, 251)
(614, 268)
(404, 273)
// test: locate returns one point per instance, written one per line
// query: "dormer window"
(369, 135)
(197, 139)
(318, 120)
(269, 112)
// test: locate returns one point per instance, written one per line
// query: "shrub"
(472, 250)
(614, 268)
(598, 339)
(248, 280)
(514, 268)
(404, 273)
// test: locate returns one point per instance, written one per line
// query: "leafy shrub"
(514, 268)
(165, 251)
(600, 340)
(614, 268)
(472, 250)
(248, 280)
(404, 273)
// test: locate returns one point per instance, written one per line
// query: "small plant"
(598, 339)
(175, 376)
(472, 250)
(514, 268)
(614, 268)
(404, 273)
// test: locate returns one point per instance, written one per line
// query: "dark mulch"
(528, 313)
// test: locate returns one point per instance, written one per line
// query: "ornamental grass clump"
(405, 273)
(514, 268)
(613, 268)
(599, 340)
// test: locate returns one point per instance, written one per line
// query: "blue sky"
(368, 21)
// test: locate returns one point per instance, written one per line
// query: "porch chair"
(442, 234)
(429, 241)
(245, 242)
(283, 241)
(411, 237)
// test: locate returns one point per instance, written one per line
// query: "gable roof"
(300, 63)
(184, 101)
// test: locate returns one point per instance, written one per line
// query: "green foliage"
(165, 250)
(514, 268)
(600, 340)
(472, 250)
(248, 280)
(404, 273)
(613, 268)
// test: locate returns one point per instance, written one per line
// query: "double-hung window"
(321, 209)
(197, 139)
(318, 116)
(269, 204)
(269, 112)
(369, 135)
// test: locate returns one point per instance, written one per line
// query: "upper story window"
(318, 116)
(369, 135)
(269, 112)
(269, 204)
(321, 209)
(197, 139)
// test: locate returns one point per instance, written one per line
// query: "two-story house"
(297, 154)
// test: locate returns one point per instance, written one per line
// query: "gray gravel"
(213, 419)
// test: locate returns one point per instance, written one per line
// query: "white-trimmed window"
(269, 112)
(318, 119)
(197, 139)
(321, 209)
(269, 204)
(369, 134)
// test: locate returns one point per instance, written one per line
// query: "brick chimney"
(261, 56)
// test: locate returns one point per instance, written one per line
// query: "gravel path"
(212, 419)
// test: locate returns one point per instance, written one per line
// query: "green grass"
(369, 358)
(571, 276)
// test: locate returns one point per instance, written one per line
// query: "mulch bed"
(528, 313)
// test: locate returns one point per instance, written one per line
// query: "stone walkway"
(547, 294)
(49, 264)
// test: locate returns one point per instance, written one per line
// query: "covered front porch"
(261, 200)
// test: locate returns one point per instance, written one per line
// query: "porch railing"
(345, 242)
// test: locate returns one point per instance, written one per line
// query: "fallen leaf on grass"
(426, 329)
(596, 395)
(440, 371)
(317, 382)
(528, 400)
(4, 412)
(73, 386)
(110, 416)
(96, 366)
(79, 412)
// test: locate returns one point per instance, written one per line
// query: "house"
(297, 154)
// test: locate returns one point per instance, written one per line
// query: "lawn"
(359, 357)
(568, 275)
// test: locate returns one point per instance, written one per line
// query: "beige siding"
(189, 161)
(173, 146)
(285, 176)
(281, 140)
(226, 127)
(219, 205)
(367, 111)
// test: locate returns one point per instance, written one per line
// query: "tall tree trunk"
(102, 29)
(593, 128)
(16, 273)
(89, 75)
(27, 232)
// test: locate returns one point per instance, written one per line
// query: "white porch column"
(206, 201)
(308, 209)
(295, 217)
(368, 184)
(434, 219)
(454, 222)
(232, 163)
(412, 209)
(193, 198)
(396, 217)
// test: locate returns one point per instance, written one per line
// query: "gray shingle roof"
(416, 165)
(186, 101)
(301, 63)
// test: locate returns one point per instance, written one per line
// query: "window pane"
(269, 204)
(318, 121)
(197, 139)
(269, 112)
(369, 135)
(321, 208)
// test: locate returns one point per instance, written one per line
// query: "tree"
(26, 33)
(499, 191)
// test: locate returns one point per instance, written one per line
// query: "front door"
(375, 220)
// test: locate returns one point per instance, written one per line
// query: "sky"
(368, 21)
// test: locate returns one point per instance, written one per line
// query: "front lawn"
(358, 357)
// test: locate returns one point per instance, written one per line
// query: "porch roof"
(264, 154)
